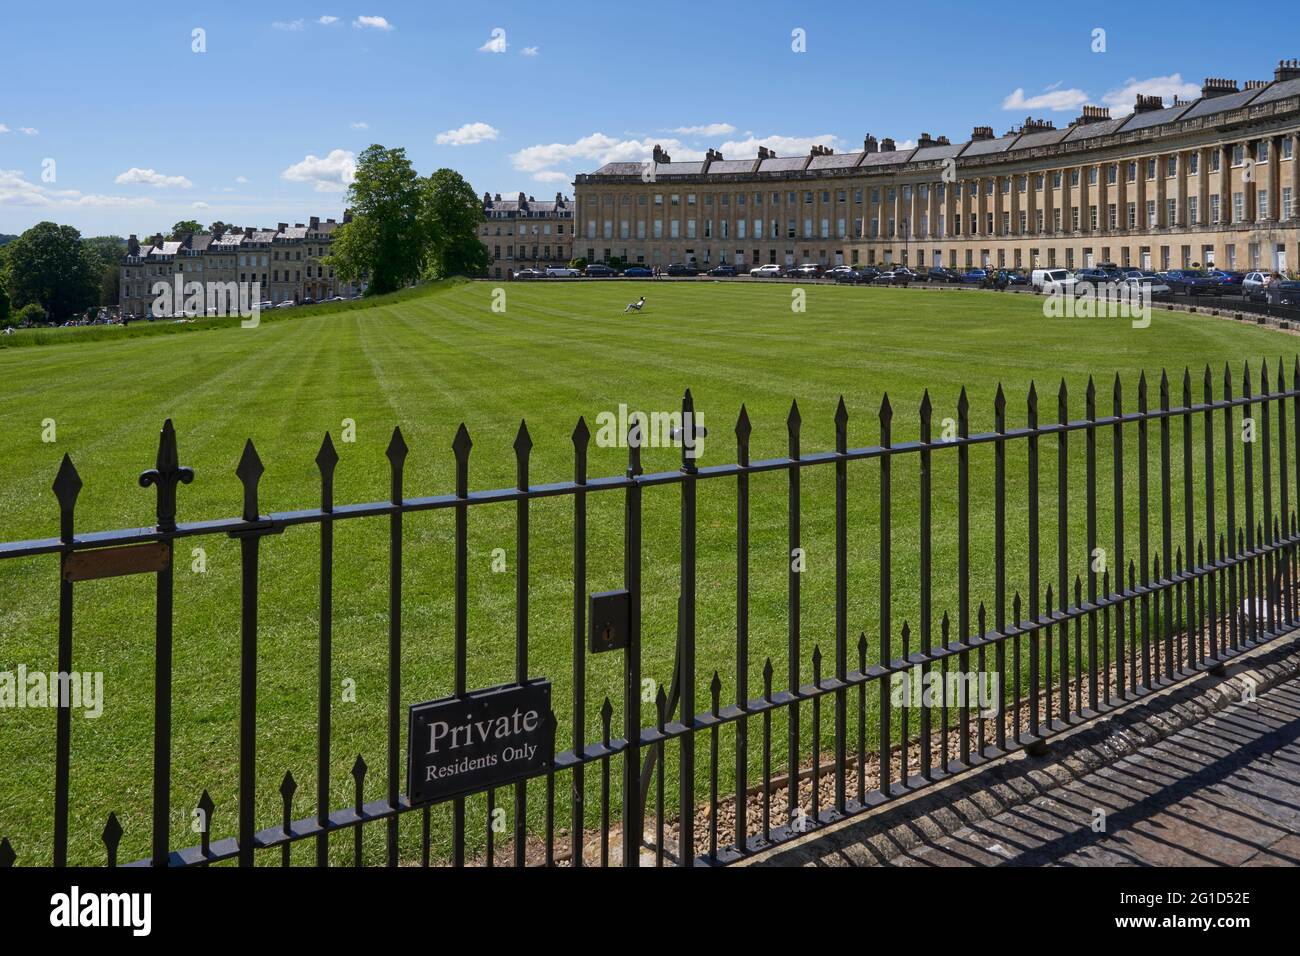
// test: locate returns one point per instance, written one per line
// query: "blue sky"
(111, 122)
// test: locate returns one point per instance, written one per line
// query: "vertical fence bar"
(1063, 538)
(1090, 451)
(1189, 517)
(396, 459)
(1144, 528)
(926, 621)
(67, 485)
(249, 473)
(1207, 427)
(686, 757)
(841, 603)
(1266, 469)
(460, 447)
(577, 821)
(1166, 521)
(963, 564)
(1117, 478)
(326, 459)
(743, 430)
(1230, 442)
(1248, 476)
(633, 808)
(1284, 493)
(886, 417)
(1032, 425)
(166, 474)
(1000, 563)
(523, 446)
(792, 423)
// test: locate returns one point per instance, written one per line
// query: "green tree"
(51, 266)
(452, 214)
(5, 320)
(182, 227)
(30, 314)
(385, 241)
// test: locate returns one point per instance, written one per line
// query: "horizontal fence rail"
(1072, 647)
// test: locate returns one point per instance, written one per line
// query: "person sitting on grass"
(631, 306)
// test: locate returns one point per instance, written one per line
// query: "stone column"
(1162, 190)
(1182, 188)
(1275, 178)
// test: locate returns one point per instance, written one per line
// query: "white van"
(1051, 280)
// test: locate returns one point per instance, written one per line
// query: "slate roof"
(836, 161)
(928, 154)
(988, 147)
(1278, 91)
(724, 166)
(1209, 105)
(783, 164)
(1099, 128)
(1154, 117)
(1042, 138)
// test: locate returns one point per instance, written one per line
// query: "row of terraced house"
(287, 262)
(1211, 180)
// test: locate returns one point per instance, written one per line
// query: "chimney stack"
(315, 222)
(981, 132)
(1145, 103)
(869, 144)
(132, 245)
(886, 145)
(1218, 86)
(1287, 70)
(1093, 114)
(660, 156)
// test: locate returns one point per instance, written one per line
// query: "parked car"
(847, 277)
(769, 271)
(1288, 294)
(974, 276)
(1229, 281)
(598, 270)
(1253, 281)
(1017, 277)
(637, 272)
(562, 272)
(724, 270)
(1097, 276)
(1055, 280)
(808, 270)
(941, 274)
(1192, 282)
(835, 271)
(530, 274)
(898, 276)
(1156, 286)
(681, 269)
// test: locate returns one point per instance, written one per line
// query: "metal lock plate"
(609, 620)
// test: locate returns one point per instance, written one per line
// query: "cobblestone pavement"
(1223, 793)
(1219, 785)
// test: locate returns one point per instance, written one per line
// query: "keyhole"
(607, 635)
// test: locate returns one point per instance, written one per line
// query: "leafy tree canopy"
(50, 266)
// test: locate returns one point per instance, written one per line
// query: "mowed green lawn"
(558, 352)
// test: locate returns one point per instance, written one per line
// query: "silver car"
(1254, 282)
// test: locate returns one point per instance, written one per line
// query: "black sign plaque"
(487, 738)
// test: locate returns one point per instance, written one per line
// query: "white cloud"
(496, 42)
(199, 205)
(597, 149)
(3, 128)
(1120, 100)
(1053, 98)
(329, 174)
(148, 177)
(291, 25)
(29, 131)
(327, 20)
(362, 125)
(552, 176)
(241, 179)
(708, 129)
(781, 145)
(467, 135)
(371, 23)
(529, 51)
(17, 191)
(906, 144)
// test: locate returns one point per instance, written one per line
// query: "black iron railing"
(1093, 642)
